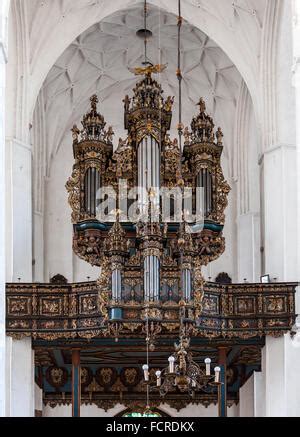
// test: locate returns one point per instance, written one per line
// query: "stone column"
(296, 83)
(246, 174)
(19, 211)
(19, 354)
(279, 158)
(246, 397)
(19, 357)
(277, 386)
(248, 237)
(3, 57)
(20, 378)
(253, 396)
(280, 212)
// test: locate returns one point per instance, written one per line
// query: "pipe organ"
(151, 260)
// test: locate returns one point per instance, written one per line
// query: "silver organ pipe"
(149, 178)
(92, 183)
(149, 165)
(116, 285)
(151, 278)
(204, 181)
(146, 279)
(187, 284)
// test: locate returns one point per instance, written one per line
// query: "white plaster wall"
(19, 211)
(296, 83)
(38, 398)
(259, 394)
(4, 7)
(199, 411)
(292, 366)
(277, 386)
(20, 374)
(274, 364)
(280, 213)
(280, 160)
(94, 411)
(246, 404)
(38, 248)
(286, 97)
(2, 230)
(248, 238)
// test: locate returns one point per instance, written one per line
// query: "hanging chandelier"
(183, 373)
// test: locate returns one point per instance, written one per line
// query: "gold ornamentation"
(73, 188)
(147, 71)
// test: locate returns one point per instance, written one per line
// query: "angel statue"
(187, 136)
(109, 134)
(126, 102)
(219, 135)
(169, 104)
(75, 133)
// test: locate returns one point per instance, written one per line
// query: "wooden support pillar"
(222, 389)
(76, 383)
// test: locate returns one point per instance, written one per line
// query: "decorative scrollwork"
(73, 188)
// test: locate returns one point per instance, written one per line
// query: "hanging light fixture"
(183, 373)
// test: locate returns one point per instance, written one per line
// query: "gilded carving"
(73, 188)
(275, 305)
(106, 376)
(18, 306)
(57, 376)
(51, 306)
(235, 319)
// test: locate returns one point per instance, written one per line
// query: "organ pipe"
(149, 165)
(204, 181)
(187, 284)
(117, 285)
(92, 183)
(151, 278)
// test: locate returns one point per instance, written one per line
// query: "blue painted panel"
(116, 314)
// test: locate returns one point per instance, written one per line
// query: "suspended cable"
(147, 352)
(145, 31)
(179, 75)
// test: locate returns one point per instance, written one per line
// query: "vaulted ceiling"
(98, 61)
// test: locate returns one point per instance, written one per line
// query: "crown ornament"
(93, 126)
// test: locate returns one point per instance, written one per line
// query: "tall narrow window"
(92, 183)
